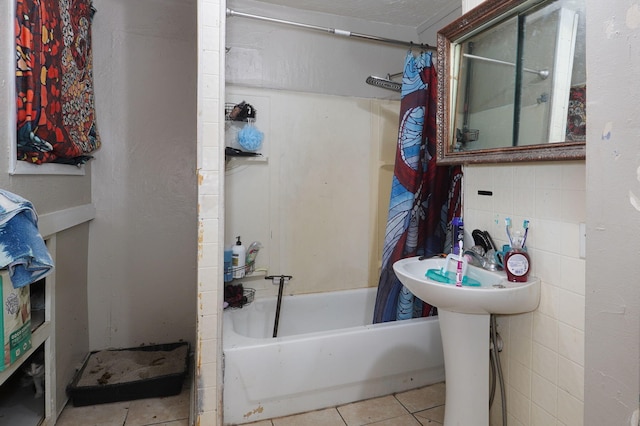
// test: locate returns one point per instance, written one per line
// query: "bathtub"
(327, 353)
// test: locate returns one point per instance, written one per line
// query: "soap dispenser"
(239, 259)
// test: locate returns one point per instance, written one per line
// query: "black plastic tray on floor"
(166, 385)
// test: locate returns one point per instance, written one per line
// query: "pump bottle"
(239, 258)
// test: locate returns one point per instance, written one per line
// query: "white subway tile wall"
(544, 350)
(208, 389)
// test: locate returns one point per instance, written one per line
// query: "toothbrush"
(525, 225)
(507, 221)
(459, 266)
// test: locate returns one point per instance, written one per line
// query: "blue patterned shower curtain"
(424, 197)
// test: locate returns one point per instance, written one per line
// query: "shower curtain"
(424, 197)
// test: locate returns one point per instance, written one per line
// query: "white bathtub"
(327, 353)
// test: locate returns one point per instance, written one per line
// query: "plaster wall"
(142, 250)
(265, 54)
(612, 369)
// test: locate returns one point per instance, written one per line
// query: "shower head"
(385, 83)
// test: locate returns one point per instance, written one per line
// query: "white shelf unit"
(49, 225)
(43, 335)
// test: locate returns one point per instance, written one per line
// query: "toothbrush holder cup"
(499, 254)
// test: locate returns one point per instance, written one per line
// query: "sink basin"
(494, 295)
(464, 314)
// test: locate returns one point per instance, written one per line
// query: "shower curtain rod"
(543, 74)
(334, 31)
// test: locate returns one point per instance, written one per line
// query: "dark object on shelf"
(240, 112)
(237, 296)
(152, 387)
(233, 152)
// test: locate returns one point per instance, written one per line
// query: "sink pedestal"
(465, 343)
(465, 313)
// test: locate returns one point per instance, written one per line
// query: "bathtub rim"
(231, 339)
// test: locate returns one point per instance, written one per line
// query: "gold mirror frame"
(488, 12)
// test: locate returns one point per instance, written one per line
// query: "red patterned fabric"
(54, 81)
(577, 114)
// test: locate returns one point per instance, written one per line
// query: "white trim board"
(51, 223)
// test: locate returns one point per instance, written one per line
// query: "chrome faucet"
(486, 261)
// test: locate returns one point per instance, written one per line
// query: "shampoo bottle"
(239, 259)
(228, 262)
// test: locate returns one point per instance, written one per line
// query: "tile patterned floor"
(424, 406)
(167, 411)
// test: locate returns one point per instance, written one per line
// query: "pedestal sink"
(464, 314)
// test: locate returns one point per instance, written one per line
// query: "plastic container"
(457, 234)
(517, 265)
(252, 253)
(228, 265)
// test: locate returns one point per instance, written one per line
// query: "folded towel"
(22, 249)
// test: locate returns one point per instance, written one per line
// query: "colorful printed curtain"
(54, 81)
(424, 197)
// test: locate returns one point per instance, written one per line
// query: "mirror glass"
(514, 82)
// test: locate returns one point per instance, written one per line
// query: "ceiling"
(412, 13)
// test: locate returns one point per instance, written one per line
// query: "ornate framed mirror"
(512, 83)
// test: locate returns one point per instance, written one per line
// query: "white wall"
(612, 369)
(265, 54)
(142, 251)
(314, 201)
(543, 359)
(210, 164)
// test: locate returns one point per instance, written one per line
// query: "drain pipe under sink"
(496, 367)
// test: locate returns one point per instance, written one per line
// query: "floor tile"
(94, 415)
(174, 411)
(405, 420)
(183, 422)
(152, 411)
(432, 416)
(423, 398)
(327, 417)
(371, 411)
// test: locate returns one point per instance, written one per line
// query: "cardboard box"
(15, 322)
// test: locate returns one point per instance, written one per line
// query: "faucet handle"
(455, 258)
